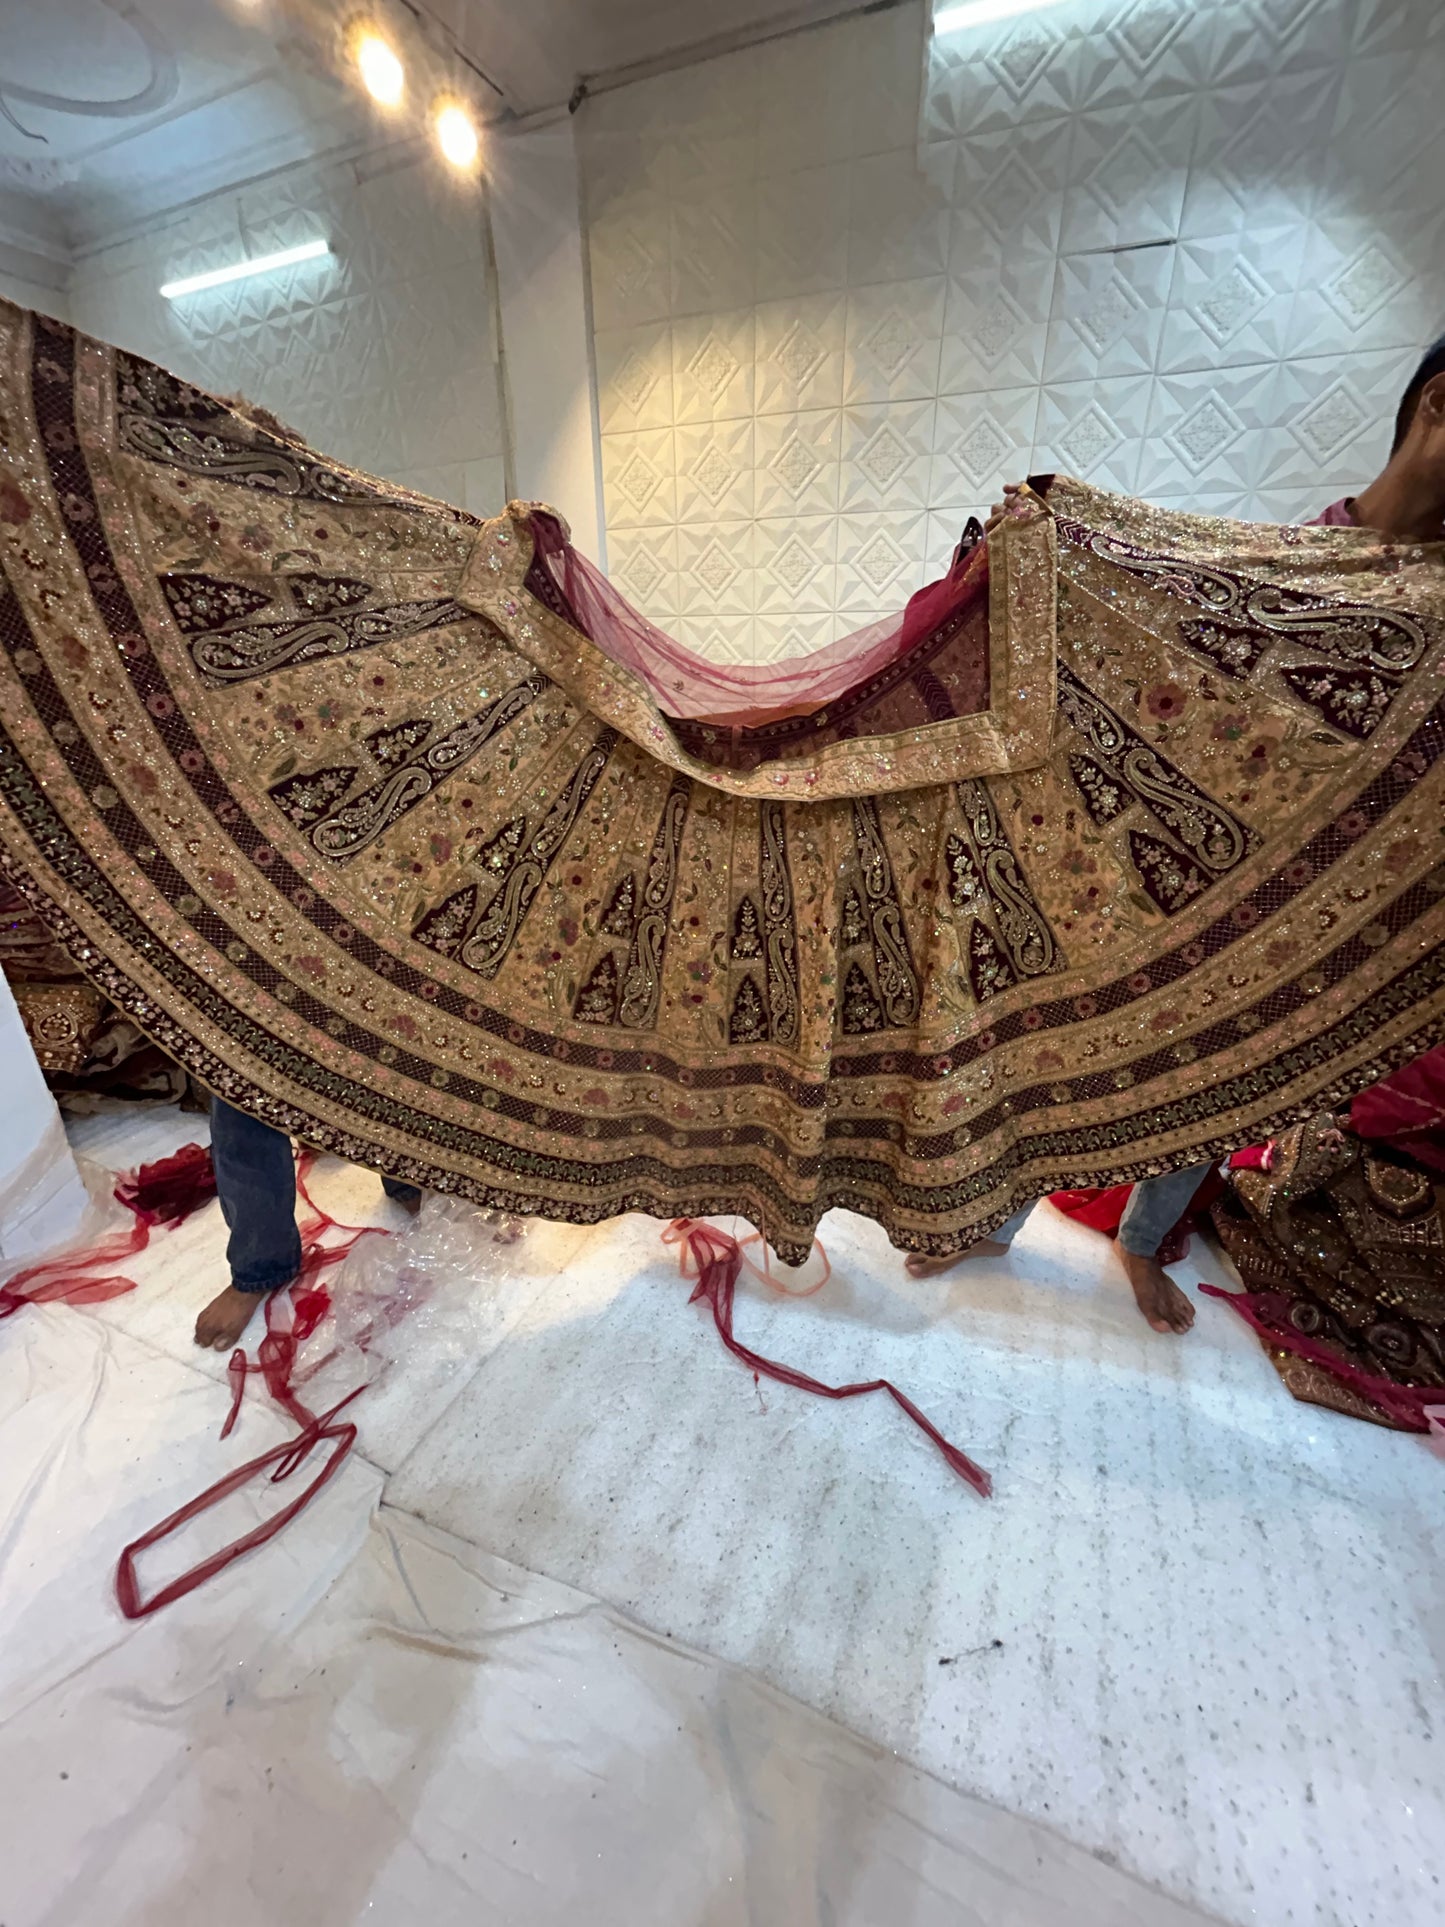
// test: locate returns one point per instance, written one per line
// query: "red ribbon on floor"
(163, 1193)
(715, 1259)
(275, 1364)
(286, 1458)
(72, 1279)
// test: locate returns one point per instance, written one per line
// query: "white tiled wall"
(20, 288)
(846, 284)
(384, 356)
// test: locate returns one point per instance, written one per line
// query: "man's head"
(1422, 409)
(1406, 501)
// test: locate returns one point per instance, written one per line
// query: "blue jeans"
(256, 1184)
(1155, 1206)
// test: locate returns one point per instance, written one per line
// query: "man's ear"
(1431, 408)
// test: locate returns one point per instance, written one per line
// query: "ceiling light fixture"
(381, 72)
(456, 135)
(983, 13)
(258, 264)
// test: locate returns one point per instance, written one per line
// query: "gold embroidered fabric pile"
(318, 784)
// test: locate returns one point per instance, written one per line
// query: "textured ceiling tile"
(898, 215)
(796, 562)
(797, 462)
(713, 253)
(1232, 299)
(1108, 316)
(1094, 429)
(880, 560)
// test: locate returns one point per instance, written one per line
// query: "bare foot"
(1158, 1297)
(919, 1266)
(221, 1324)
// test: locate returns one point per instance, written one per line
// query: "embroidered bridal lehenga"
(401, 829)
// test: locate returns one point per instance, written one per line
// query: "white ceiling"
(169, 100)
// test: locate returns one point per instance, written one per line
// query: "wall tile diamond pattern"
(848, 283)
(384, 356)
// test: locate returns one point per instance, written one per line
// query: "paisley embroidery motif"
(203, 602)
(747, 937)
(621, 910)
(391, 746)
(1351, 632)
(257, 649)
(965, 885)
(323, 595)
(501, 850)
(780, 935)
(988, 867)
(862, 1014)
(307, 798)
(988, 969)
(164, 420)
(852, 930)
(1104, 798)
(897, 979)
(1228, 645)
(1209, 832)
(348, 830)
(442, 929)
(642, 983)
(485, 949)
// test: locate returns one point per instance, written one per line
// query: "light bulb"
(382, 72)
(456, 135)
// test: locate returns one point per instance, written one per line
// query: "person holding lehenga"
(410, 839)
(1404, 504)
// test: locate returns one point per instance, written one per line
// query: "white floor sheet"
(1196, 1638)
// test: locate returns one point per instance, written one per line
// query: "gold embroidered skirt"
(324, 786)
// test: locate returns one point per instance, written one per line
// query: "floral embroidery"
(542, 973)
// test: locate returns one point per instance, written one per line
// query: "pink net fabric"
(686, 685)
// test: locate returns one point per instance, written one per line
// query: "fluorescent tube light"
(258, 264)
(982, 13)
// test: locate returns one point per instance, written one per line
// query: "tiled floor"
(1198, 1630)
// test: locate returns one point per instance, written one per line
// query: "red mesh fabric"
(167, 1192)
(1407, 1110)
(287, 1329)
(80, 1277)
(690, 686)
(163, 1193)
